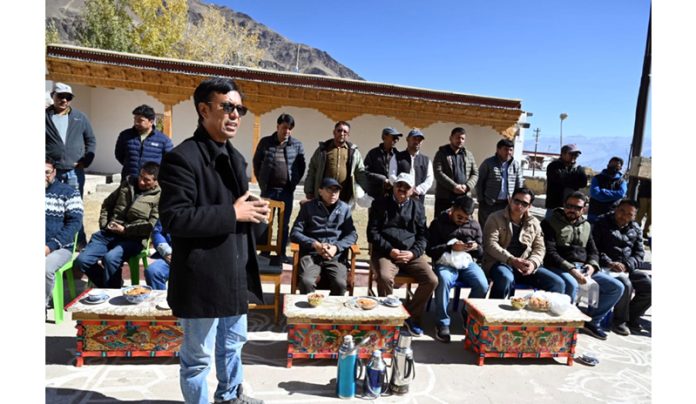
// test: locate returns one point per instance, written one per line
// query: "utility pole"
(297, 60)
(536, 143)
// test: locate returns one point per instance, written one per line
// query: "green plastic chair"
(58, 300)
(134, 264)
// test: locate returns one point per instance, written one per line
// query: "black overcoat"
(213, 256)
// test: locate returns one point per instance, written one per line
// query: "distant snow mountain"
(596, 150)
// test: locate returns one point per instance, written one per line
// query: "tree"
(215, 39)
(51, 34)
(106, 25)
(160, 27)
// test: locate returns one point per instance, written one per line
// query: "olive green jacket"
(138, 214)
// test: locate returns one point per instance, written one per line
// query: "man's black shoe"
(442, 333)
(241, 399)
(414, 329)
(287, 260)
(621, 329)
(594, 331)
(635, 327)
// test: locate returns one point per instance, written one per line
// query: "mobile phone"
(253, 197)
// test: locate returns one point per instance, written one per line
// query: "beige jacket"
(497, 235)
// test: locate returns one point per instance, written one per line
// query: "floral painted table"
(317, 332)
(495, 330)
(119, 328)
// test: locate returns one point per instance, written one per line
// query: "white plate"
(390, 303)
(103, 298)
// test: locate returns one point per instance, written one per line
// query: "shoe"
(621, 329)
(413, 328)
(635, 327)
(442, 333)
(242, 398)
(287, 260)
(594, 331)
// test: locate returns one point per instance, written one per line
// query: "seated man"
(396, 229)
(157, 273)
(127, 217)
(513, 247)
(63, 220)
(620, 244)
(325, 232)
(572, 254)
(453, 232)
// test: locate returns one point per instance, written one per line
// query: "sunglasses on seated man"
(520, 202)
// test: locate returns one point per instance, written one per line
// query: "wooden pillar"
(255, 141)
(167, 121)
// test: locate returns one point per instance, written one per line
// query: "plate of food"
(366, 302)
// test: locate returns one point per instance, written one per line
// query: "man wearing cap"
(415, 163)
(339, 159)
(70, 141)
(396, 229)
(141, 143)
(499, 175)
(455, 169)
(325, 232)
(377, 164)
(563, 176)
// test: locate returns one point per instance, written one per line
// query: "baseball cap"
(416, 132)
(405, 178)
(391, 131)
(570, 148)
(330, 182)
(62, 88)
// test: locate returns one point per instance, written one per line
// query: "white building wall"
(109, 111)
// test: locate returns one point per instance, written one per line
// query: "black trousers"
(484, 210)
(631, 309)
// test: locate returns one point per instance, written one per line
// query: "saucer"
(101, 299)
(391, 303)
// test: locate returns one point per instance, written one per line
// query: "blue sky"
(583, 58)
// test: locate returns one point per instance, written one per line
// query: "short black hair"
(288, 119)
(464, 203)
(627, 201)
(207, 87)
(151, 168)
(615, 158)
(146, 111)
(458, 131)
(341, 123)
(504, 143)
(51, 161)
(576, 195)
(525, 191)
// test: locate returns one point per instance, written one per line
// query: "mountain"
(280, 54)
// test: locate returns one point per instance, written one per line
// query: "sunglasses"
(48, 172)
(228, 107)
(573, 207)
(520, 203)
(64, 96)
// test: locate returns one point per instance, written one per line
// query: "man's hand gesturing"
(250, 211)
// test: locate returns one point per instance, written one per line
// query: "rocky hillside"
(280, 53)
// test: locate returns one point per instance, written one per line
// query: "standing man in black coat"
(563, 177)
(208, 210)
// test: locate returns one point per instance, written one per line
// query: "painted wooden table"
(495, 330)
(117, 328)
(317, 332)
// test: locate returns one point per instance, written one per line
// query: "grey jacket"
(80, 143)
(444, 174)
(491, 179)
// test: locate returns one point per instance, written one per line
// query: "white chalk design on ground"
(627, 386)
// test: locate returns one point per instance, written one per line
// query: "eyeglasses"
(48, 172)
(64, 96)
(520, 203)
(573, 207)
(228, 107)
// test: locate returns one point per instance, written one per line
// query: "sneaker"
(635, 327)
(442, 333)
(620, 329)
(594, 331)
(413, 328)
(242, 398)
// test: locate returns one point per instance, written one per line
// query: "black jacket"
(442, 229)
(618, 245)
(214, 258)
(390, 226)
(561, 180)
(377, 170)
(264, 159)
(80, 143)
(316, 223)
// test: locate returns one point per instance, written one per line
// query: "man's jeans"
(227, 335)
(54, 261)
(610, 291)
(157, 274)
(471, 275)
(286, 196)
(504, 275)
(113, 250)
(76, 179)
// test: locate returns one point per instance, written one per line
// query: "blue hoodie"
(606, 190)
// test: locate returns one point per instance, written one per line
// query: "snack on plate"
(315, 299)
(137, 290)
(539, 303)
(366, 303)
(518, 303)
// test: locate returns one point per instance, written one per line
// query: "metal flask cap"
(404, 341)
